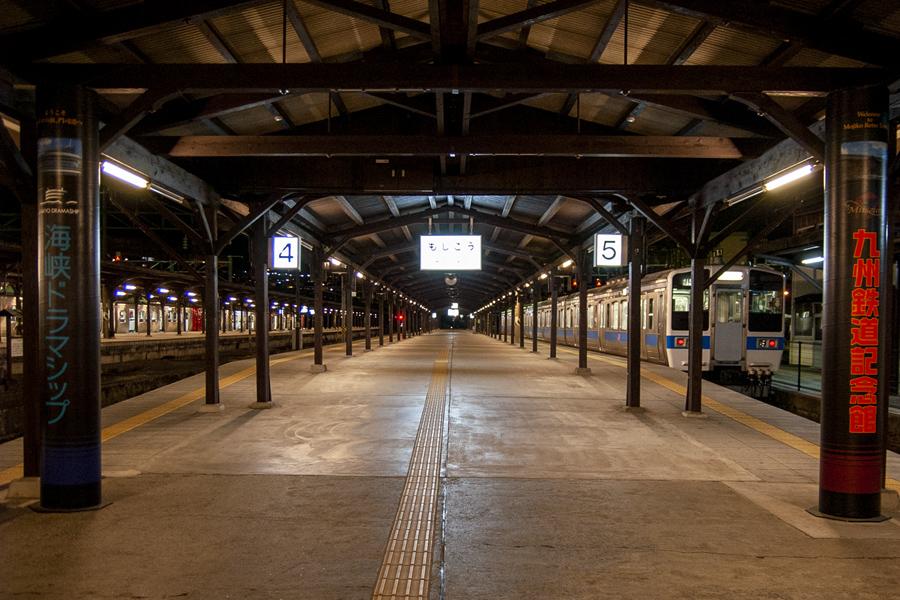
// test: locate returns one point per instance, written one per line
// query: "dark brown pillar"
(584, 274)
(553, 310)
(635, 335)
(260, 249)
(211, 325)
(318, 273)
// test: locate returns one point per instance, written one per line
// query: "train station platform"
(449, 466)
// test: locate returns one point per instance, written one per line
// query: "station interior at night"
(449, 299)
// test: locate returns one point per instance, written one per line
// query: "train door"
(729, 328)
(650, 347)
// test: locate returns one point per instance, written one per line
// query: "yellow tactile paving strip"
(112, 431)
(406, 567)
(789, 439)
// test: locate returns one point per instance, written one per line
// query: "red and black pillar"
(855, 345)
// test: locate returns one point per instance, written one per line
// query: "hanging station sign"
(284, 253)
(610, 250)
(450, 252)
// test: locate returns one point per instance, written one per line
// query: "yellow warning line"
(112, 431)
(406, 567)
(789, 439)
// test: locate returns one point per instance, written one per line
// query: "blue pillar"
(69, 298)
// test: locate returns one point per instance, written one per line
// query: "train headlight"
(767, 343)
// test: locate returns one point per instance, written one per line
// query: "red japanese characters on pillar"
(864, 334)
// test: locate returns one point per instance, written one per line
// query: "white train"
(743, 315)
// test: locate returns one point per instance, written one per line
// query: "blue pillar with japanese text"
(69, 297)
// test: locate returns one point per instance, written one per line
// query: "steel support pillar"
(534, 317)
(553, 310)
(692, 405)
(635, 335)
(521, 302)
(348, 310)
(367, 318)
(857, 279)
(260, 248)
(381, 317)
(211, 324)
(68, 274)
(584, 274)
(318, 273)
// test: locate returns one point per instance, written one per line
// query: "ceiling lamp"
(123, 175)
(788, 177)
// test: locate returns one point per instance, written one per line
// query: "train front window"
(766, 301)
(729, 307)
(681, 302)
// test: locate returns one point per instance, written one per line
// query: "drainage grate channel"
(406, 568)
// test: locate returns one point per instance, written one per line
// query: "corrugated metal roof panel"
(731, 47)
(657, 121)
(809, 7)
(253, 121)
(256, 35)
(181, 44)
(814, 58)
(882, 17)
(307, 108)
(13, 15)
(336, 34)
(653, 37)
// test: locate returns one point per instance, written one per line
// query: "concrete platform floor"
(549, 489)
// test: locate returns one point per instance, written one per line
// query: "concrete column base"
(583, 371)
(25, 488)
(694, 415)
(211, 407)
(262, 405)
(635, 409)
(318, 368)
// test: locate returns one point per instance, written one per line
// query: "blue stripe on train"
(615, 336)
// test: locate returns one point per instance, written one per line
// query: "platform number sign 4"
(284, 253)
(610, 250)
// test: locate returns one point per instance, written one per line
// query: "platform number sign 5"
(284, 253)
(610, 250)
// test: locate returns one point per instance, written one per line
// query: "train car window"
(591, 311)
(605, 316)
(649, 324)
(729, 306)
(614, 324)
(624, 320)
(766, 301)
(681, 302)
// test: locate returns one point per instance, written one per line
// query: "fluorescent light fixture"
(190, 294)
(162, 290)
(171, 298)
(434, 315)
(232, 299)
(119, 293)
(731, 276)
(335, 262)
(193, 300)
(543, 276)
(568, 263)
(166, 193)
(789, 177)
(130, 287)
(126, 176)
(813, 260)
(360, 275)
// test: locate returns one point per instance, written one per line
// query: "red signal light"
(400, 317)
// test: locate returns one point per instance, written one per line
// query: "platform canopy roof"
(517, 120)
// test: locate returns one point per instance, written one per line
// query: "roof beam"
(786, 122)
(844, 37)
(400, 145)
(475, 78)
